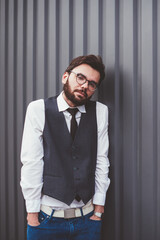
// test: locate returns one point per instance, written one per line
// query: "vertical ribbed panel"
(157, 216)
(37, 41)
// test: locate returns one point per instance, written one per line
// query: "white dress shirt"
(32, 155)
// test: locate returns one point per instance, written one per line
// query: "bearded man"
(64, 177)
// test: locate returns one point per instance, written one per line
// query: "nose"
(85, 85)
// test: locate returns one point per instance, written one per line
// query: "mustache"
(82, 91)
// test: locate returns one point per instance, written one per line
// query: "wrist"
(99, 208)
(32, 219)
(98, 214)
(32, 216)
(32, 213)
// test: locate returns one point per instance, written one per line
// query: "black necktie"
(74, 126)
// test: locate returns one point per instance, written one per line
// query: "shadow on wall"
(107, 96)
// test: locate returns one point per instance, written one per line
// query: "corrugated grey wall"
(37, 40)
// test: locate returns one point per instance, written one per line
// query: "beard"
(78, 101)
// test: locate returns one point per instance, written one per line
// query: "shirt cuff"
(99, 199)
(33, 205)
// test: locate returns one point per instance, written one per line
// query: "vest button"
(75, 168)
(74, 157)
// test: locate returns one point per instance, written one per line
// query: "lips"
(82, 93)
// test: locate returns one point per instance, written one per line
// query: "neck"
(71, 104)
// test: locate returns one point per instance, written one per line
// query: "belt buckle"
(69, 213)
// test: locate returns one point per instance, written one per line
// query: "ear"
(65, 77)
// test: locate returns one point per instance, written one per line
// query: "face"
(75, 94)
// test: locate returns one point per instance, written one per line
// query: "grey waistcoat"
(69, 166)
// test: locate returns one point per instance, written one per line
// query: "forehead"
(88, 71)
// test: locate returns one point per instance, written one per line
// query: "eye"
(80, 77)
(92, 84)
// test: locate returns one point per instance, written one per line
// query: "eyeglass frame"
(86, 80)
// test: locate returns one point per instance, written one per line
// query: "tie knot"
(72, 111)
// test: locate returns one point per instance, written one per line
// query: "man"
(64, 177)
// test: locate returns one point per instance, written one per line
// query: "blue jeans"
(52, 228)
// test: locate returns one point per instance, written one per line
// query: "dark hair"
(94, 61)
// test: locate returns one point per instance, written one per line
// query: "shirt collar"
(63, 105)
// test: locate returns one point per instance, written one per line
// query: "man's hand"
(32, 219)
(93, 217)
(97, 208)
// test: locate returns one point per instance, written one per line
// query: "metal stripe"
(155, 117)
(57, 46)
(117, 151)
(85, 26)
(35, 49)
(46, 47)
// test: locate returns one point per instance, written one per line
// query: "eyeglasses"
(81, 79)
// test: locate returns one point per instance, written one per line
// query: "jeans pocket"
(94, 227)
(42, 218)
(95, 221)
(91, 220)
